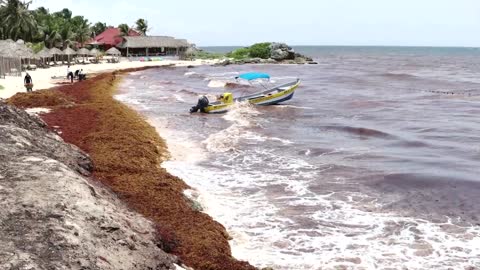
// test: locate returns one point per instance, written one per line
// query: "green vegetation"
(142, 26)
(36, 47)
(98, 28)
(238, 54)
(124, 29)
(208, 55)
(58, 29)
(1, 87)
(258, 50)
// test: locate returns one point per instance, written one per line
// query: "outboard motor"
(201, 105)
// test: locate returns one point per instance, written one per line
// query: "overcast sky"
(299, 22)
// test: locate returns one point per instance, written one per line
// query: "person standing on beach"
(69, 74)
(28, 82)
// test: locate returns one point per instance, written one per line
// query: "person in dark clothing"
(76, 73)
(28, 82)
(69, 74)
(81, 75)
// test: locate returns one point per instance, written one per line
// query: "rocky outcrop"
(285, 54)
(52, 217)
(280, 53)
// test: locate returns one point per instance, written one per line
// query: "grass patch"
(258, 50)
(208, 55)
(126, 152)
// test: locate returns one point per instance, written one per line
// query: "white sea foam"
(347, 230)
(295, 107)
(187, 74)
(264, 200)
(217, 84)
(179, 98)
(155, 86)
(242, 116)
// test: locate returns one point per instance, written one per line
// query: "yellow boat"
(271, 96)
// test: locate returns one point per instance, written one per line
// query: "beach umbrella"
(44, 53)
(7, 49)
(55, 51)
(22, 51)
(113, 51)
(83, 51)
(69, 52)
(95, 52)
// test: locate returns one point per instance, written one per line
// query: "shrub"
(36, 47)
(238, 54)
(260, 50)
(208, 55)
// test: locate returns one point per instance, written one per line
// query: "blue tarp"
(253, 76)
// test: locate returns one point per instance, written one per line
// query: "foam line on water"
(276, 220)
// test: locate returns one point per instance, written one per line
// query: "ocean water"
(374, 164)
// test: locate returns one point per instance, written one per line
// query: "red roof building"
(111, 37)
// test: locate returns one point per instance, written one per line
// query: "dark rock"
(312, 63)
(49, 213)
(279, 55)
(300, 60)
(281, 51)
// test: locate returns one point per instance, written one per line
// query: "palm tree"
(81, 29)
(64, 13)
(66, 34)
(17, 21)
(124, 29)
(98, 28)
(142, 26)
(49, 32)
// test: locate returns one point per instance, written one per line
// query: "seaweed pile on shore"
(53, 217)
(126, 152)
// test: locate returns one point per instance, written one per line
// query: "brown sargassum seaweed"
(127, 152)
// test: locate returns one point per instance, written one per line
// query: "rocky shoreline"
(125, 152)
(276, 53)
(53, 217)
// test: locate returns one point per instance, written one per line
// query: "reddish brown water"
(373, 164)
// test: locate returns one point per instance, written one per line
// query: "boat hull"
(270, 97)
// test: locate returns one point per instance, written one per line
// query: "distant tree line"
(58, 29)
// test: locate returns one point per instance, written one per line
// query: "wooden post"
(127, 52)
(147, 51)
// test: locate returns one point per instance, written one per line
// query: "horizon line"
(403, 46)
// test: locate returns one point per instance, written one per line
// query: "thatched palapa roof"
(69, 51)
(83, 51)
(113, 51)
(9, 48)
(95, 52)
(44, 53)
(154, 42)
(56, 51)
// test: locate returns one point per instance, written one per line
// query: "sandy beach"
(42, 78)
